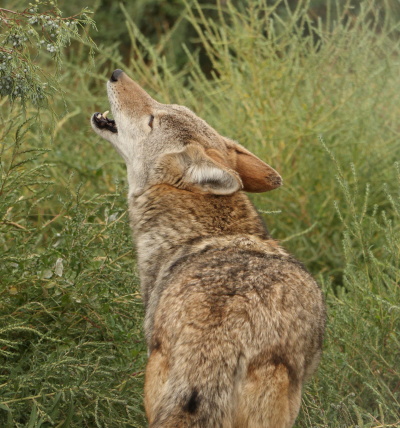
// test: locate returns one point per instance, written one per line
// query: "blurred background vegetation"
(312, 87)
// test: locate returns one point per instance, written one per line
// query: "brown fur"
(234, 324)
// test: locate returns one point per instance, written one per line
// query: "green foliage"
(70, 313)
(362, 345)
(314, 97)
(24, 35)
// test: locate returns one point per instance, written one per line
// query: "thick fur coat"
(234, 324)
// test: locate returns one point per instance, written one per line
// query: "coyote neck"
(181, 216)
(165, 220)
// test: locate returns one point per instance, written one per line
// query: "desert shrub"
(69, 312)
(25, 34)
(362, 344)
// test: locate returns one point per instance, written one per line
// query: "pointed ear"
(255, 174)
(194, 170)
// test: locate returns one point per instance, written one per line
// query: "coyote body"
(234, 324)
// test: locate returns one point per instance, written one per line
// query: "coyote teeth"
(98, 115)
(105, 114)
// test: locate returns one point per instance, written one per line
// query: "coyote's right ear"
(192, 169)
(256, 175)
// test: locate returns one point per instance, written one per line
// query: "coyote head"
(169, 144)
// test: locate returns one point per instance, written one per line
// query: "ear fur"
(256, 175)
(192, 169)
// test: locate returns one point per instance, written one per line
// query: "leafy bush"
(24, 35)
(313, 97)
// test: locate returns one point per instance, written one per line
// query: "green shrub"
(70, 313)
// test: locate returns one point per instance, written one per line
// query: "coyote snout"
(234, 324)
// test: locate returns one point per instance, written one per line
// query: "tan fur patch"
(156, 376)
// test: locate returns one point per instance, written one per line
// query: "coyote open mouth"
(103, 122)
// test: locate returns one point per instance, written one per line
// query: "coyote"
(234, 324)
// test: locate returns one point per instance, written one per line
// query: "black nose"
(115, 75)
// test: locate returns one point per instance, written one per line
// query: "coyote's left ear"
(256, 175)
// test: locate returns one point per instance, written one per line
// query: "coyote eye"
(151, 121)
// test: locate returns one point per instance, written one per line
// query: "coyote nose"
(115, 75)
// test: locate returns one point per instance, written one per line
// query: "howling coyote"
(234, 324)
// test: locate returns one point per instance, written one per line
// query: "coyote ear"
(256, 175)
(192, 169)
(208, 175)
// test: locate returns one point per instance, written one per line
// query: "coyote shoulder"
(234, 324)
